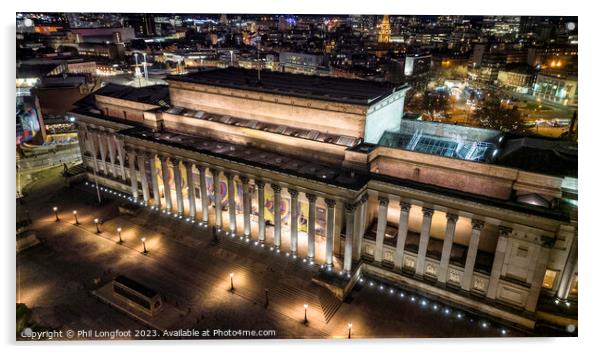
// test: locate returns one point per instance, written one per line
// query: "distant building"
(518, 78)
(301, 63)
(556, 86)
(384, 30)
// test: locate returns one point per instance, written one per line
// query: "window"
(369, 250)
(549, 279)
(388, 257)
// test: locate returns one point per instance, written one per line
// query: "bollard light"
(75, 216)
(119, 233)
(349, 325)
(144, 245)
(56, 214)
(97, 222)
(232, 282)
(305, 309)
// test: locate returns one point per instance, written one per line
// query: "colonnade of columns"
(137, 163)
(106, 146)
(443, 269)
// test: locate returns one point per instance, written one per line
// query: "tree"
(434, 102)
(492, 115)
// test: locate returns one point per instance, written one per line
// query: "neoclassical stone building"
(327, 169)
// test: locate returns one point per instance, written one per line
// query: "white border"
(589, 124)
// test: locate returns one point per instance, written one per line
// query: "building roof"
(155, 94)
(307, 86)
(35, 70)
(547, 156)
(268, 159)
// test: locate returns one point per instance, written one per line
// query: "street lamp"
(56, 214)
(119, 233)
(96, 221)
(144, 245)
(232, 282)
(75, 215)
(305, 317)
(267, 299)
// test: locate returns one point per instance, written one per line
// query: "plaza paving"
(184, 265)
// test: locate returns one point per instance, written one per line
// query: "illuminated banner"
(28, 124)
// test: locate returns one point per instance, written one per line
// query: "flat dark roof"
(136, 286)
(155, 94)
(308, 86)
(268, 159)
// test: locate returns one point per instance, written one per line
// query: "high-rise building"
(384, 30)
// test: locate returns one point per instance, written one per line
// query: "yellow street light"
(144, 245)
(97, 222)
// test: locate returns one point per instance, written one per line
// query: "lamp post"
(267, 299)
(119, 234)
(144, 245)
(97, 222)
(232, 282)
(56, 214)
(305, 317)
(75, 215)
(349, 325)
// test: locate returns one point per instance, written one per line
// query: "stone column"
(246, 206)
(538, 275)
(471, 257)
(498, 261)
(154, 181)
(349, 222)
(277, 222)
(231, 202)
(92, 151)
(178, 181)
(568, 273)
(204, 196)
(330, 203)
(425, 234)
(103, 155)
(119, 146)
(133, 178)
(166, 188)
(217, 198)
(294, 218)
(109, 138)
(383, 205)
(402, 233)
(191, 196)
(143, 181)
(448, 241)
(261, 209)
(311, 226)
(81, 140)
(361, 226)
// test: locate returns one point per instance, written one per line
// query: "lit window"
(549, 279)
(574, 286)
